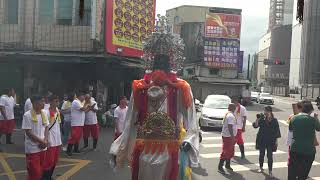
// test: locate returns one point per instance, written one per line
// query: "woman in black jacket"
(267, 136)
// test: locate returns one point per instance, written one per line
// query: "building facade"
(295, 58)
(189, 23)
(280, 13)
(58, 46)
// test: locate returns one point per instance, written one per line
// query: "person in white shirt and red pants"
(35, 124)
(54, 138)
(91, 126)
(77, 122)
(229, 130)
(120, 116)
(7, 121)
(241, 117)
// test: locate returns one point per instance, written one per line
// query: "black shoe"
(69, 149)
(76, 149)
(86, 143)
(241, 147)
(95, 142)
(46, 175)
(220, 167)
(8, 139)
(228, 165)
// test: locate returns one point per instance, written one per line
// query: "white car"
(266, 98)
(254, 96)
(214, 110)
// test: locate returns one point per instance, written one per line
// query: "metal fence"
(310, 92)
(49, 25)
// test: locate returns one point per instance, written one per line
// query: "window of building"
(86, 20)
(214, 71)
(46, 11)
(64, 12)
(190, 71)
(12, 11)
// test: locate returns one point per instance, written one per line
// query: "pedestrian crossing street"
(211, 146)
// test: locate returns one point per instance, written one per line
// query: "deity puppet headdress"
(162, 41)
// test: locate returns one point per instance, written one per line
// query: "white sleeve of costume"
(192, 127)
(123, 146)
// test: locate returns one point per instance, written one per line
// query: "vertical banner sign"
(240, 62)
(129, 22)
(222, 40)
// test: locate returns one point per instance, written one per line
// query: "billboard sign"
(221, 53)
(129, 22)
(221, 25)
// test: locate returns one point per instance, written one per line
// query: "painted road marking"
(276, 165)
(248, 153)
(211, 138)
(220, 145)
(284, 122)
(76, 165)
(315, 178)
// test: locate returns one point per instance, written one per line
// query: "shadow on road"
(267, 177)
(200, 171)
(233, 175)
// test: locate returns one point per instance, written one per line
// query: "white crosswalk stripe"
(211, 138)
(220, 145)
(248, 153)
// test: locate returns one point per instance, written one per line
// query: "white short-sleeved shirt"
(120, 114)
(230, 119)
(8, 103)
(28, 105)
(77, 116)
(67, 116)
(91, 117)
(37, 128)
(46, 106)
(240, 116)
(54, 137)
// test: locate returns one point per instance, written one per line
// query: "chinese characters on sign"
(221, 53)
(220, 25)
(222, 40)
(129, 22)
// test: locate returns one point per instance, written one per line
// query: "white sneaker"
(64, 148)
(260, 170)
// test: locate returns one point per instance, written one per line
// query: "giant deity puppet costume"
(161, 136)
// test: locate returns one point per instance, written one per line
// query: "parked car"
(213, 111)
(198, 105)
(266, 98)
(254, 96)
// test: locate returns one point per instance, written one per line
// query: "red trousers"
(92, 130)
(227, 148)
(239, 137)
(35, 163)
(76, 134)
(52, 157)
(7, 126)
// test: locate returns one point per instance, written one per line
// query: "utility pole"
(248, 69)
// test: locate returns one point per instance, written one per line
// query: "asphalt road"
(93, 164)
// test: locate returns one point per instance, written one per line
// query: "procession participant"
(161, 104)
(302, 150)
(120, 115)
(241, 118)
(54, 138)
(91, 126)
(229, 129)
(7, 121)
(66, 111)
(35, 124)
(77, 122)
